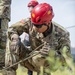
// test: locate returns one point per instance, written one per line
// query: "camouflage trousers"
(3, 42)
(3, 37)
(3, 30)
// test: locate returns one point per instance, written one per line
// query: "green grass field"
(23, 71)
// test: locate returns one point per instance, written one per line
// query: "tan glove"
(15, 43)
(45, 50)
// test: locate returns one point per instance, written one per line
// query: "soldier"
(4, 19)
(31, 5)
(42, 31)
(25, 37)
(5, 9)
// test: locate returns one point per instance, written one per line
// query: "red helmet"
(42, 14)
(33, 3)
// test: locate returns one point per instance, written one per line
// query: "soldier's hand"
(15, 43)
(14, 47)
(45, 50)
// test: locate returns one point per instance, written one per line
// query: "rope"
(28, 57)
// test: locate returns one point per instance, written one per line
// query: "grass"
(23, 71)
(60, 71)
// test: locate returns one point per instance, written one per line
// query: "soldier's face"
(41, 29)
(30, 9)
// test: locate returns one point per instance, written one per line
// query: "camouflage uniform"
(53, 40)
(5, 11)
(4, 19)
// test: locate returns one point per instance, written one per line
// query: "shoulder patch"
(22, 21)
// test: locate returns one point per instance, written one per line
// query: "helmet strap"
(49, 29)
(48, 26)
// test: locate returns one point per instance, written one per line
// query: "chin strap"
(48, 31)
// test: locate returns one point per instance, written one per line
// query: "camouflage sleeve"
(65, 42)
(64, 56)
(45, 49)
(19, 28)
(65, 51)
(5, 9)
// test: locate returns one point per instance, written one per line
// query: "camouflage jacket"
(57, 38)
(5, 8)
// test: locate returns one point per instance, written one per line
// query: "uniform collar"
(50, 31)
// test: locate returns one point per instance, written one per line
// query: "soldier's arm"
(66, 57)
(65, 42)
(16, 30)
(19, 27)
